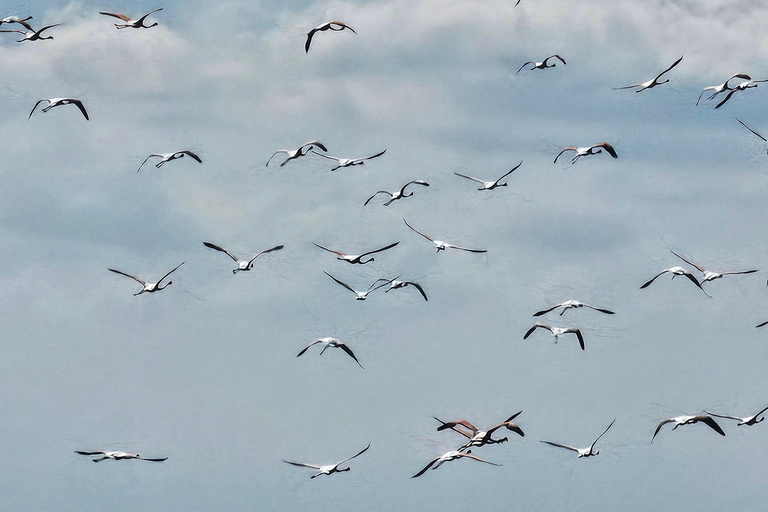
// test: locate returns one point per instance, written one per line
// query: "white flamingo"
(348, 162)
(479, 437)
(297, 153)
(118, 456)
(149, 287)
(355, 258)
(583, 452)
(242, 265)
(331, 468)
(332, 343)
(167, 157)
(543, 64)
(654, 82)
(334, 26)
(34, 35)
(743, 86)
(16, 19)
(722, 87)
(711, 276)
(678, 271)
(360, 295)
(394, 196)
(57, 102)
(557, 332)
(571, 304)
(748, 421)
(490, 185)
(690, 420)
(449, 456)
(138, 23)
(440, 245)
(588, 150)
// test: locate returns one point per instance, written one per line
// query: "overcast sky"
(206, 372)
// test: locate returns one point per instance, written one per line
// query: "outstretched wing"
(521, 67)
(114, 15)
(275, 248)
(654, 278)
(601, 435)
(669, 68)
(561, 446)
(273, 156)
(301, 464)
(465, 248)
(578, 335)
(145, 160)
(569, 148)
(153, 460)
(697, 283)
(606, 311)
(310, 35)
(688, 262)
(329, 250)
(431, 463)
(469, 455)
(421, 290)
(380, 250)
(374, 195)
(728, 417)
(191, 154)
(745, 126)
(728, 96)
(664, 422)
(712, 424)
(510, 172)
(141, 20)
(355, 455)
(530, 331)
(555, 57)
(307, 347)
(141, 281)
(608, 148)
(169, 273)
(349, 352)
(90, 453)
(79, 105)
(372, 156)
(453, 427)
(419, 232)
(545, 311)
(414, 182)
(220, 249)
(469, 177)
(38, 101)
(342, 283)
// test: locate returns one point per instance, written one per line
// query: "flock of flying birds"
(474, 437)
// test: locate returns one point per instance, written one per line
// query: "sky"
(205, 372)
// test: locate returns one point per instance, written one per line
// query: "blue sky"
(205, 372)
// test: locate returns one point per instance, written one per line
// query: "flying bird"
(441, 246)
(167, 157)
(748, 421)
(583, 452)
(242, 265)
(722, 87)
(332, 343)
(149, 287)
(394, 284)
(331, 468)
(690, 420)
(16, 19)
(571, 304)
(449, 456)
(588, 150)
(356, 258)
(490, 185)
(543, 64)
(652, 83)
(557, 332)
(118, 456)
(750, 129)
(743, 86)
(360, 295)
(678, 271)
(479, 437)
(394, 196)
(348, 162)
(139, 23)
(57, 102)
(297, 153)
(334, 26)
(34, 35)
(711, 276)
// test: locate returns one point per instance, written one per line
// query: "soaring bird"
(334, 26)
(394, 284)
(356, 258)
(743, 86)
(571, 304)
(557, 332)
(360, 295)
(139, 23)
(490, 185)
(711, 276)
(34, 35)
(543, 64)
(479, 437)
(297, 153)
(57, 102)
(441, 246)
(331, 468)
(690, 420)
(654, 82)
(348, 162)
(332, 343)
(748, 421)
(449, 456)
(588, 150)
(242, 265)
(118, 456)
(394, 196)
(583, 452)
(149, 287)
(167, 157)
(16, 19)
(678, 271)
(722, 87)
(750, 129)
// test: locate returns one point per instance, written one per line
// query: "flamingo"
(722, 87)
(394, 284)
(334, 26)
(441, 246)
(588, 150)
(242, 265)
(711, 276)
(356, 258)
(16, 19)
(572, 304)
(542, 64)
(397, 195)
(690, 420)
(654, 82)
(167, 157)
(348, 162)
(331, 468)
(479, 437)
(360, 295)
(583, 452)
(57, 102)
(118, 456)
(490, 185)
(139, 23)
(678, 271)
(449, 456)
(149, 287)
(332, 343)
(297, 153)
(557, 332)
(34, 35)
(748, 421)
(743, 86)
